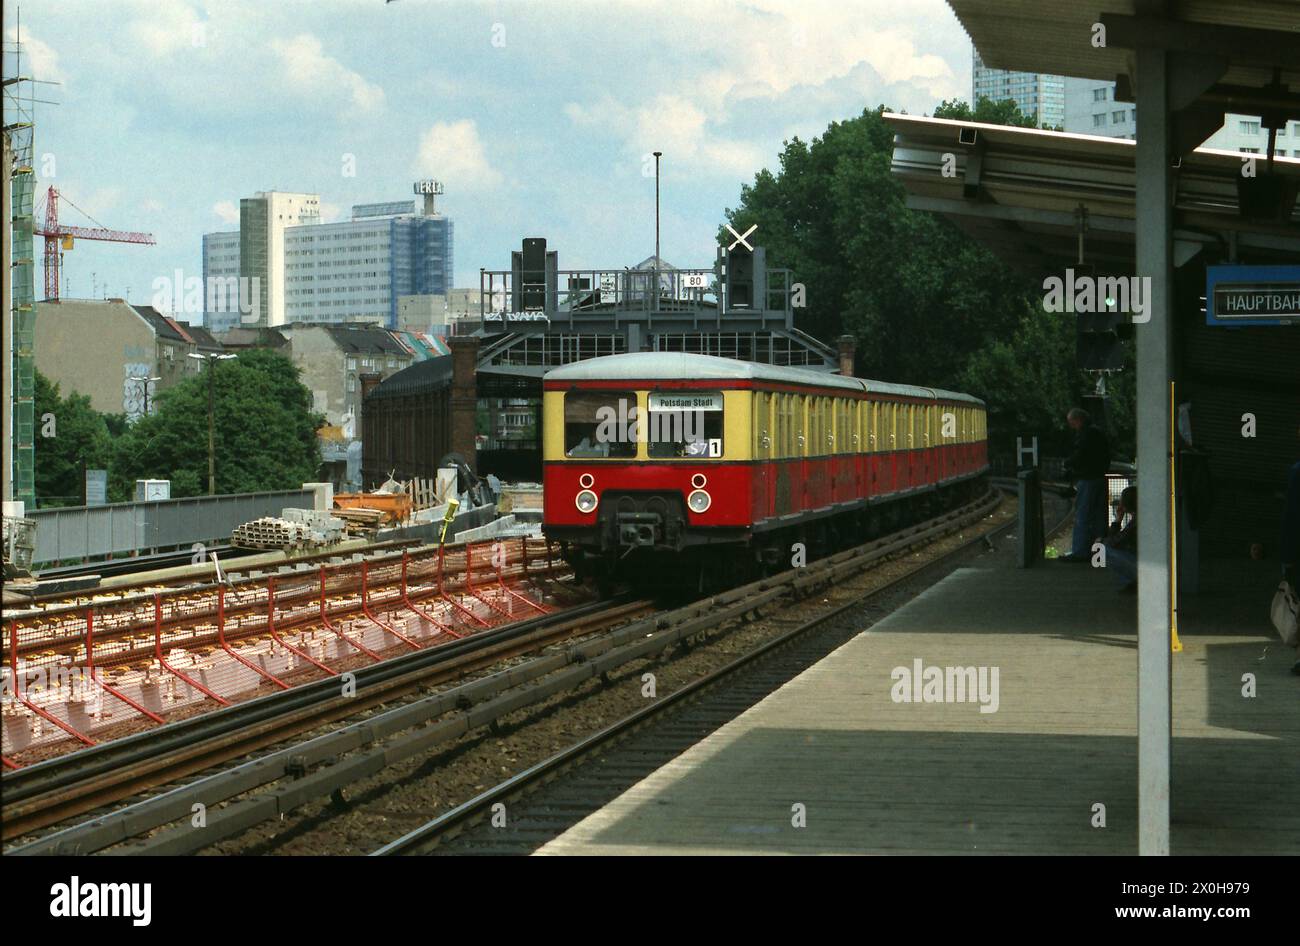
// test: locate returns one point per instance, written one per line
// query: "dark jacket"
(1291, 519)
(1126, 538)
(1090, 459)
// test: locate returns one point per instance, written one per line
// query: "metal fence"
(74, 533)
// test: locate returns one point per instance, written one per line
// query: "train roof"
(667, 366)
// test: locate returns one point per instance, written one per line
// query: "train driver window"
(685, 424)
(600, 424)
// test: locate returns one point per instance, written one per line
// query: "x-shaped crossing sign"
(740, 238)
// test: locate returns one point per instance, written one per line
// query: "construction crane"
(58, 237)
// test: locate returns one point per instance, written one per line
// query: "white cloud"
(454, 153)
(782, 53)
(672, 124)
(168, 28)
(329, 213)
(227, 210)
(308, 69)
(40, 61)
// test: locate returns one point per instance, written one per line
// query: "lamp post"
(658, 155)
(145, 382)
(212, 447)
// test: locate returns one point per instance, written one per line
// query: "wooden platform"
(879, 776)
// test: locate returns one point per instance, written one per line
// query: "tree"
(71, 437)
(265, 431)
(987, 111)
(927, 304)
(917, 293)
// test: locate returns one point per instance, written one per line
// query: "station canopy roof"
(1056, 36)
(1024, 193)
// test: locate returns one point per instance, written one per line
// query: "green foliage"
(265, 431)
(1028, 379)
(927, 304)
(987, 111)
(80, 440)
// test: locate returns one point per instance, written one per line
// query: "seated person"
(1121, 541)
(586, 447)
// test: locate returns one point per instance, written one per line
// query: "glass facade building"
(221, 252)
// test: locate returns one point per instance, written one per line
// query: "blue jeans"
(1122, 564)
(1089, 516)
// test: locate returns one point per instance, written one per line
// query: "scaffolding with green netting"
(23, 314)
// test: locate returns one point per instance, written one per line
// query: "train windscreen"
(600, 424)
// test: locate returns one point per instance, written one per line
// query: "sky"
(538, 117)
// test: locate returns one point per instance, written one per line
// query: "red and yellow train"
(655, 454)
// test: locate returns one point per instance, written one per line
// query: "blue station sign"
(1252, 295)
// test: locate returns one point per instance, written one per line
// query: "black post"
(658, 154)
(212, 455)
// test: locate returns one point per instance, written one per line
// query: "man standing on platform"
(1087, 465)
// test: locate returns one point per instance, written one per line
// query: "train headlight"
(585, 501)
(699, 501)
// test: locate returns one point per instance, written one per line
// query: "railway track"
(574, 784)
(366, 747)
(151, 652)
(47, 793)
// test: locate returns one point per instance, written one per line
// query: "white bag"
(1283, 613)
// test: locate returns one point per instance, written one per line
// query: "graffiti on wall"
(136, 389)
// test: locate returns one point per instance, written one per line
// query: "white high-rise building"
(263, 218)
(358, 270)
(1091, 109)
(1036, 95)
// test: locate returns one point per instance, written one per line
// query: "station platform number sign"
(1252, 295)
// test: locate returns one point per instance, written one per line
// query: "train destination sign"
(1252, 295)
(685, 402)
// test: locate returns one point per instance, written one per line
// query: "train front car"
(648, 462)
